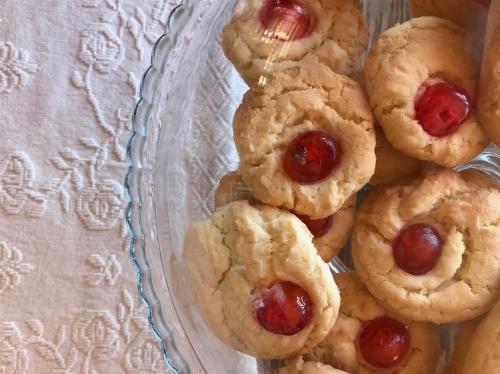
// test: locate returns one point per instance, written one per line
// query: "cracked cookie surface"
(489, 85)
(358, 306)
(484, 348)
(405, 58)
(303, 100)
(233, 188)
(464, 209)
(339, 37)
(299, 366)
(242, 250)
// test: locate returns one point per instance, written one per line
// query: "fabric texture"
(69, 76)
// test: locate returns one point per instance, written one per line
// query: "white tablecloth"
(69, 73)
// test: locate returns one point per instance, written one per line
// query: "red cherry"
(311, 157)
(442, 108)
(383, 342)
(317, 227)
(485, 3)
(417, 249)
(287, 19)
(284, 309)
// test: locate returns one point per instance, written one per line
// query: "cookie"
(269, 36)
(428, 250)
(484, 348)
(299, 366)
(467, 13)
(465, 331)
(421, 78)
(330, 235)
(489, 84)
(412, 347)
(306, 141)
(393, 165)
(258, 281)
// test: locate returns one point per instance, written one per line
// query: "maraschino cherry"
(287, 20)
(311, 157)
(417, 249)
(383, 342)
(317, 227)
(284, 308)
(441, 108)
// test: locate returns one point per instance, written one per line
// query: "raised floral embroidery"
(13, 353)
(96, 334)
(101, 49)
(12, 268)
(143, 355)
(107, 270)
(16, 186)
(15, 67)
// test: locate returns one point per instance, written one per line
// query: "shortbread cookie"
(299, 366)
(367, 338)
(330, 234)
(468, 13)
(421, 77)
(484, 348)
(465, 331)
(258, 281)
(489, 86)
(306, 141)
(268, 36)
(392, 165)
(429, 249)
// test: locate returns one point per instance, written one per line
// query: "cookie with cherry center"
(299, 366)
(306, 141)
(268, 36)
(471, 14)
(421, 79)
(330, 234)
(367, 338)
(258, 281)
(428, 249)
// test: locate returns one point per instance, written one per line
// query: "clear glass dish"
(181, 146)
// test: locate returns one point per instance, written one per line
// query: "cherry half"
(442, 108)
(317, 227)
(287, 20)
(417, 249)
(311, 157)
(284, 309)
(383, 342)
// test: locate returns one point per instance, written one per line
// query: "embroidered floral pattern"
(15, 67)
(16, 186)
(107, 271)
(12, 268)
(13, 353)
(88, 186)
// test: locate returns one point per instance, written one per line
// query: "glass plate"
(181, 146)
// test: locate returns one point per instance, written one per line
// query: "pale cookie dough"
(239, 252)
(269, 119)
(392, 165)
(489, 84)
(407, 56)
(340, 37)
(465, 331)
(233, 188)
(484, 348)
(358, 306)
(467, 13)
(465, 210)
(299, 366)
